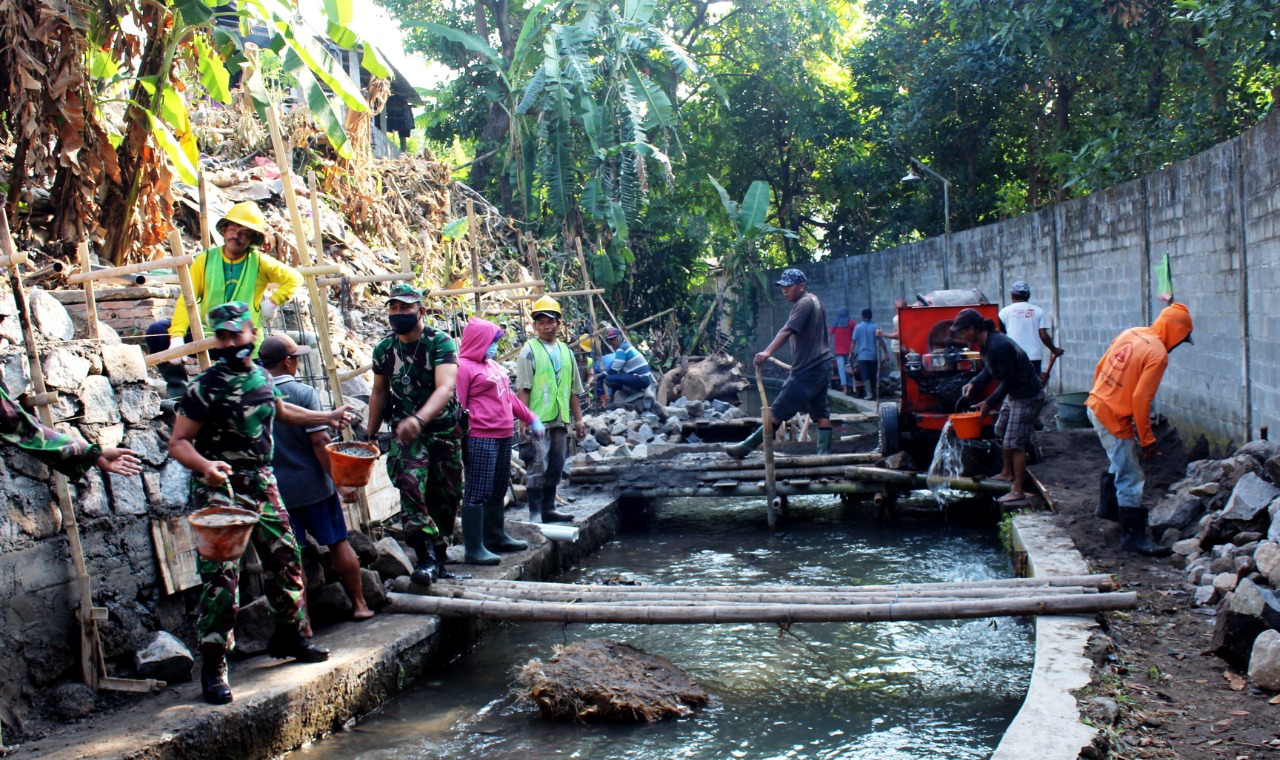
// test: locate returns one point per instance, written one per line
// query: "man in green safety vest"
(234, 271)
(547, 381)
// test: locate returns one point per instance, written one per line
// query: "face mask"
(492, 351)
(236, 356)
(403, 324)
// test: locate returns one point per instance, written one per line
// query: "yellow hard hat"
(547, 305)
(584, 342)
(247, 215)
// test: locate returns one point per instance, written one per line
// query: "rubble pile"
(623, 431)
(1223, 522)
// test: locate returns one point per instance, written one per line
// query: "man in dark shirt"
(806, 386)
(1019, 396)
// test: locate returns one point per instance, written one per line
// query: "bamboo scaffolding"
(475, 249)
(33, 401)
(725, 463)
(90, 302)
(368, 278)
(485, 288)
(725, 489)
(1099, 581)
(201, 346)
(586, 284)
(206, 240)
(10, 256)
(178, 259)
(779, 472)
(921, 480)
(1072, 604)
(189, 298)
(557, 294)
(357, 372)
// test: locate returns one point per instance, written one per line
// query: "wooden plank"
(175, 553)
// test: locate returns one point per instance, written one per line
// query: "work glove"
(174, 343)
(539, 429)
(268, 308)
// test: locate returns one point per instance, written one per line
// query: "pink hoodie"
(482, 384)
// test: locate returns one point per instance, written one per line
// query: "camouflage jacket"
(67, 455)
(411, 370)
(236, 410)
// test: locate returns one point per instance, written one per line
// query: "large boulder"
(165, 658)
(1177, 511)
(717, 376)
(50, 317)
(253, 628)
(1249, 498)
(1267, 558)
(366, 551)
(375, 594)
(1264, 661)
(329, 604)
(124, 363)
(392, 562)
(65, 369)
(1236, 627)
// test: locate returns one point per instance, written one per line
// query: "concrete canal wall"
(1090, 262)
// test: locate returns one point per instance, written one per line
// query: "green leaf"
(373, 61)
(321, 110)
(340, 16)
(320, 63)
(639, 10)
(214, 76)
(658, 109)
(532, 27)
(174, 111)
(730, 205)
(102, 65)
(618, 221)
(602, 271)
(193, 12)
(469, 41)
(456, 229)
(755, 207)
(174, 150)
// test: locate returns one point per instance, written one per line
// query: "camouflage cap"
(232, 316)
(403, 291)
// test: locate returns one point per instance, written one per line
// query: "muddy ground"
(1175, 700)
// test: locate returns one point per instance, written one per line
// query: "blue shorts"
(323, 520)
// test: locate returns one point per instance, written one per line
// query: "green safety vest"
(549, 396)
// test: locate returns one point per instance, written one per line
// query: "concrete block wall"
(1091, 262)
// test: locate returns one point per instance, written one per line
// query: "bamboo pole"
(189, 298)
(206, 240)
(10, 256)
(535, 268)
(639, 596)
(319, 269)
(1099, 581)
(744, 490)
(357, 372)
(766, 613)
(90, 303)
(586, 283)
(475, 249)
(33, 401)
(178, 259)
(770, 484)
(781, 473)
(368, 278)
(558, 294)
(499, 286)
(921, 480)
(725, 463)
(633, 325)
(200, 346)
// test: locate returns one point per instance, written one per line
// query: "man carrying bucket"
(414, 375)
(1019, 396)
(806, 386)
(223, 435)
(1119, 406)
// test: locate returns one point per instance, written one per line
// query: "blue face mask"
(492, 351)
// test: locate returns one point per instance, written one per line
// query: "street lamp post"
(946, 211)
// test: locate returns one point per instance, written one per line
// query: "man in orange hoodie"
(1124, 385)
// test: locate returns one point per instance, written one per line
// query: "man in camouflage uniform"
(414, 374)
(223, 435)
(67, 455)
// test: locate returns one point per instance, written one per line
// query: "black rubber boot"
(473, 529)
(740, 450)
(425, 573)
(443, 573)
(213, 675)
(1134, 538)
(1108, 504)
(549, 513)
(495, 530)
(287, 641)
(824, 441)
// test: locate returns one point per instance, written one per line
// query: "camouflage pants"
(428, 474)
(255, 490)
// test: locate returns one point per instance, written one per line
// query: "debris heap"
(624, 432)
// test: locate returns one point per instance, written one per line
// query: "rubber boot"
(425, 573)
(175, 378)
(442, 558)
(473, 525)
(495, 529)
(213, 675)
(1134, 538)
(740, 450)
(824, 441)
(549, 513)
(1108, 504)
(287, 641)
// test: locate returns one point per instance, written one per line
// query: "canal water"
(944, 689)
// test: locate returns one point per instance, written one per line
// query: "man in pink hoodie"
(485, 393)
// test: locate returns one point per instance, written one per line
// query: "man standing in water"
(414, 374)
(1119, 406)
(806, 386)
(223, 435)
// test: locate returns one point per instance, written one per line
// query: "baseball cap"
(613, 333)
(232, 316)
(278, 347)
(404, 292)
(792, 277)
(967, 318)
(1021, 286)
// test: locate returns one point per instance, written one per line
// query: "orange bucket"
(351, 462)
(222, 532)
(967, 424)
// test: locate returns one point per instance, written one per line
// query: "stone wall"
(1090, 262)
(106, 398)
(127, 310)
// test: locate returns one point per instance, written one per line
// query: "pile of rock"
(624, 432)
(1223, 521)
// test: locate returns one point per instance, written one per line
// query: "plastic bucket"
(1071, 408)
(349, 468)
(222, 532)
(967, 424)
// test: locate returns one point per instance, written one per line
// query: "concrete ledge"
(281, 706)
(1048, 725)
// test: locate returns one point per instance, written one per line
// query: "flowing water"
(946, 464)
(888, 691)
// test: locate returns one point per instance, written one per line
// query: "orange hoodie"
(1127, 377)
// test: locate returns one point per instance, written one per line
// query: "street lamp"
(946, 210)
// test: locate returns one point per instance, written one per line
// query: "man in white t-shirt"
(1028, 325)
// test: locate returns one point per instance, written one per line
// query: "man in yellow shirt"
(237, 270)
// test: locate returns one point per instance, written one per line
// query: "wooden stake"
(189, 296)
(770, 486)
(535, 269)
(90, 303)
(206, 240)
(474, 244)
